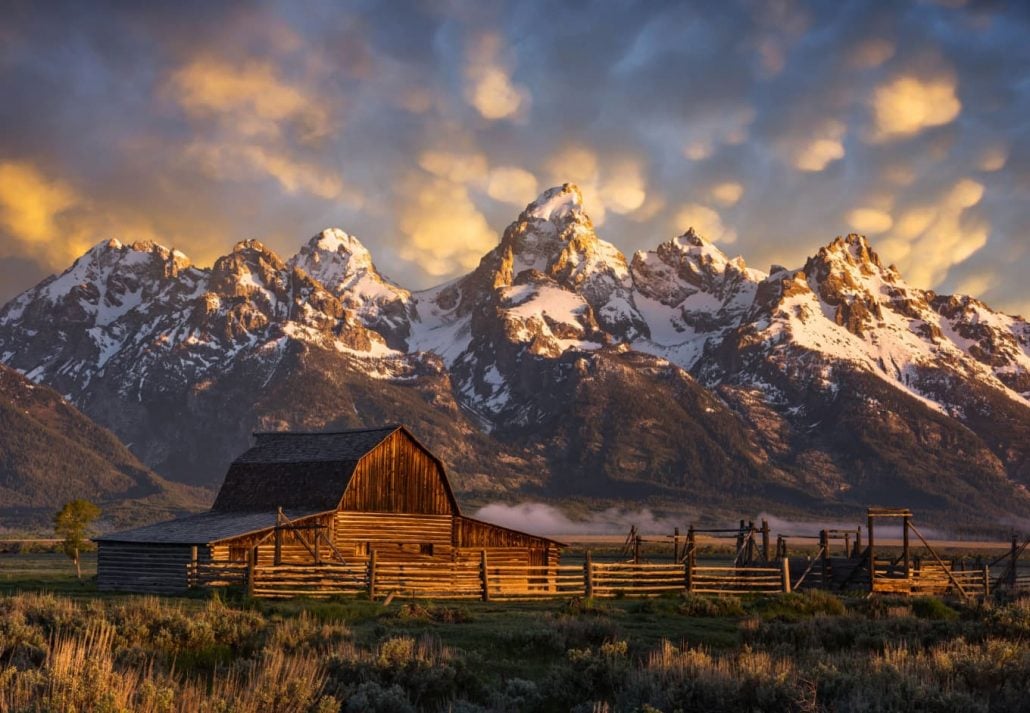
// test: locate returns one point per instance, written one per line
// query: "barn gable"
(301, 471)
(400, 475)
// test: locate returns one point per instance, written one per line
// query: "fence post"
(588, 575)
(676, 545)
(987, 581)
(192, 579)
(766, 554)
(372, 575)
(691, 558)
(1015, 557)
(484, 575)
(786, 575)
(872, 555)
(252, 556)
(278, 558)
(905, 546)
(824, 561)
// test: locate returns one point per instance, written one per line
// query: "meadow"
(65, 647)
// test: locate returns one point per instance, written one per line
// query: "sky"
(424, 128)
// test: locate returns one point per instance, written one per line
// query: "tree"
(71, 524)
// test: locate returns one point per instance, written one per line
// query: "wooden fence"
(480, 580)
(468, 579)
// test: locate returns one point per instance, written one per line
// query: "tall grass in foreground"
(802, 653)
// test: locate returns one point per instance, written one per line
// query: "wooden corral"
(320, 513)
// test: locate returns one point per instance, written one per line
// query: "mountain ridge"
(142, 341)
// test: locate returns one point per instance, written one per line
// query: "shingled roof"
(296, 470)
(203, 528)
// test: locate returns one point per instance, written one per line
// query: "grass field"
(66, 647)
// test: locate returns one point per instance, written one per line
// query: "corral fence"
(481, 580)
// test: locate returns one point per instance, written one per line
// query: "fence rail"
(469, 579)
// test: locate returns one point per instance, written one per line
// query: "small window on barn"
(426, 548)
(361, 549)
(237, 554)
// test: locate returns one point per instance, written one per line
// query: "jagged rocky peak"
(249, 268)
(686, 264)
(557, 204)
(341, 263)
(336, 259)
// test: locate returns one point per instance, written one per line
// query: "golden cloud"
(624, 189)
(446, 234)
(30, 203)
(727, 193)
(488, 84)
(510, 184)
(705, 221)
(993, 159)
(578, 164)
(926, 241)
(871, 53)
(869, 221)
(458, 167)
(823, 148)
(240, 162)
(251, 99)
(908, 104)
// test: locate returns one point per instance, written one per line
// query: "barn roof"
(203, 528)
(303, 471)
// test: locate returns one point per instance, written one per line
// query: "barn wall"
(398, 476)
(145, 567)
(293, 549)
(394, 536)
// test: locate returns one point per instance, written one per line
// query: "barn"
(318, 500)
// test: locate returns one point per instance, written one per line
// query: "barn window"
(426, 548)
(237, 554)
(360, 549)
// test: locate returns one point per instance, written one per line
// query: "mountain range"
(557, 369)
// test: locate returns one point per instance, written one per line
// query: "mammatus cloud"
(512, 185)
(488, 84)
(869, 221)
(251, 99)
(871, 53)
(824, 147)
(623, 188)
(907, 104)
(727, 193)
(245, 162)
(926, 241)
(706, 221)
(30, 203)
(444, 231)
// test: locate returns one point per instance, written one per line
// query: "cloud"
(488, 84)
(542, 519)
(993, 159)
(871, 53)
(706, 221)
(908, 104)
(445, 234)
(928, 240)
(824, 147)
(30, 203)
(727, 193)
(510, 184)
(869, 221)
(243, 162)
(252, 99)
(623, 188)
(580, 165)
(459, 167)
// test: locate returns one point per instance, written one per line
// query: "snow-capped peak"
(336, 259)
(556, 203)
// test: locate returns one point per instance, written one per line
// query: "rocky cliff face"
(556, 366)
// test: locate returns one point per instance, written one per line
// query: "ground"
(66, 647)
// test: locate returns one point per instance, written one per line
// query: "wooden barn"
(298, 500)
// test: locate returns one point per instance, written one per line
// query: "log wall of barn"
(394, 536)
(398, 476)
(145, 567)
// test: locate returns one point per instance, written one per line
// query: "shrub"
(934, 609)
